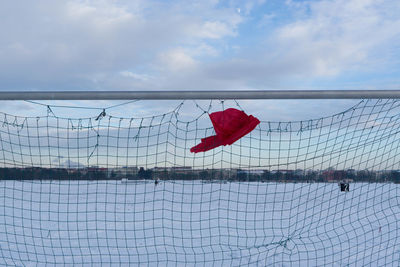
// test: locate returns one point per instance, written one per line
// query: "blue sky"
(199, 45)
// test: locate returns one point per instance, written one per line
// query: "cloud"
(136, 76)
(328, 39)
(214, 30)
(338, 35)
(74, 44)
(177, 60)
(103, 45)
(100, 15)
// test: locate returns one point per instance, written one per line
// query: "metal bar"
(166, 95)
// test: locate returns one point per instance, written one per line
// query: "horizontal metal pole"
(166, 95)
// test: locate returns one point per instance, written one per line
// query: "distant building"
(179, 169)
(122, 172)
(283, 171)
(254, 172)
(176, 169)
(331, 175)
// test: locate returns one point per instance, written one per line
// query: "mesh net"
(122, 190)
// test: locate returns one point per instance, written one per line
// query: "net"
(111, 189)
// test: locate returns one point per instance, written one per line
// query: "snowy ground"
(194, 223)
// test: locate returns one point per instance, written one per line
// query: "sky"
(200, 45)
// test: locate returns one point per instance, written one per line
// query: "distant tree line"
(37, 173)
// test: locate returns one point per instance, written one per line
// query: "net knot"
(50, 111)
(101, 115)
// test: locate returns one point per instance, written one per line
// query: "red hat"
(230, 125)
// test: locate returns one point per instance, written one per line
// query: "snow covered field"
(195, 223)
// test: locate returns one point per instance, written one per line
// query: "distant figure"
(344, 187)
(156, 182)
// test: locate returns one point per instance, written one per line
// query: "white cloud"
(79, 44)
(136, 76)
(204, 49)
(214, 30)
(177, 60)
(100, 15)
(326, 40)
(338, 35)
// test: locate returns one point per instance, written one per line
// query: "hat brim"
(207, 143)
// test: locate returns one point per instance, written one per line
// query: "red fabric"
(230, 125)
